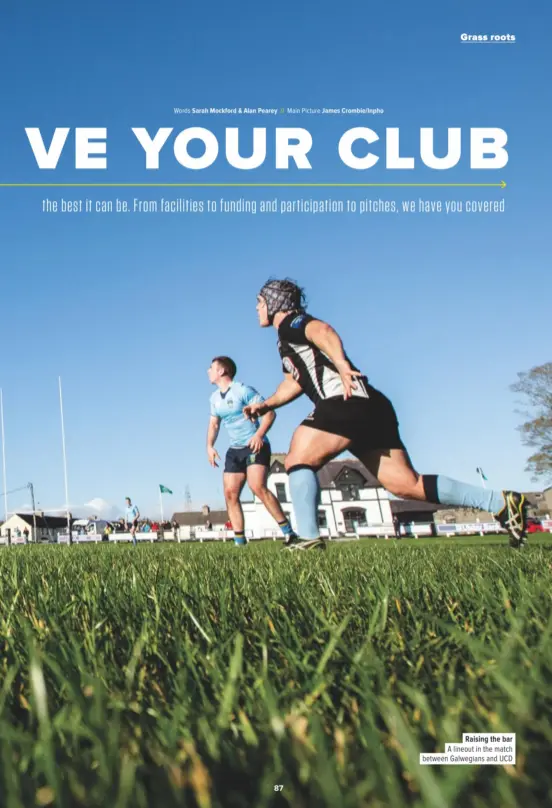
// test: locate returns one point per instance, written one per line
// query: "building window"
(322, 519)
(350, 492)
(281, 492)
(350, 482)
(354, 517)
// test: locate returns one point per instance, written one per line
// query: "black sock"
(430, 488)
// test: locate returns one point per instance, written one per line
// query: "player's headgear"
(282, 295)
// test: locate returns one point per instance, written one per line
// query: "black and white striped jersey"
(308, 365)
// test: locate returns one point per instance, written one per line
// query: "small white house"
(21, 528)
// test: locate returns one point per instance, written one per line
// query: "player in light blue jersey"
(248, 458)
(132, 514)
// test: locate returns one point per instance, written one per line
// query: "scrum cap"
(282, 295)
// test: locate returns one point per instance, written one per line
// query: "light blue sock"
(453, 492)
(305, 495)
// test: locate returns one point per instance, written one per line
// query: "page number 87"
(278, 788)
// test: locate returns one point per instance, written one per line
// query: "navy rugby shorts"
(238, 459)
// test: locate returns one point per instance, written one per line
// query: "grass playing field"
(215, 676)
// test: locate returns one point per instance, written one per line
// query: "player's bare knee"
(231, 496)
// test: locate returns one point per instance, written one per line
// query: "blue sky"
(440, 311)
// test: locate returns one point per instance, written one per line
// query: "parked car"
(534, 525)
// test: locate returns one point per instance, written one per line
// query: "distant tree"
(536, 431)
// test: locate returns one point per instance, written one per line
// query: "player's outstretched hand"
(213, 456)
(255, 444)
(253, 411)
(348, 376)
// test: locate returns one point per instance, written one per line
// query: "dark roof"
(198, 518)
(412, 506)
(332, 470)
(47, 522)
(277, 467)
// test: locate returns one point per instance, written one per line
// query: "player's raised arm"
(212, 435)
(288, 390)
(328, 340)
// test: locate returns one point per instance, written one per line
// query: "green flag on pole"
(164, 490)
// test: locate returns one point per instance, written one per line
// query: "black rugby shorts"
(370, 423)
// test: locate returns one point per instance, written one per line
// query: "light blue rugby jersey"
(131, 513)
(229, 406)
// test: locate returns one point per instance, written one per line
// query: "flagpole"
(4, 458)
(480, 472)
(161, 504)
(64, 463)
